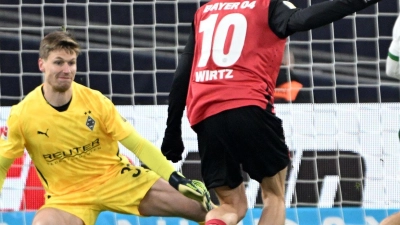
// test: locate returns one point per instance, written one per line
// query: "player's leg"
(221, 170)
(139, 191)
(232, 206)
(164, 200)
(51, 216)
(75, 208)
(392, 220)
(273, 196)
(265, 159)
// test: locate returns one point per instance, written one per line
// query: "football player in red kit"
(226, 78)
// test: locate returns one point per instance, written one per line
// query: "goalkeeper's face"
(59, 69)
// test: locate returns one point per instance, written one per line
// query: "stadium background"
(130, 50)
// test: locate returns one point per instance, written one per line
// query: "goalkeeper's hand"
(193, 189)
(172, 147)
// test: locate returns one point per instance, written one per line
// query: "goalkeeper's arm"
(150, 155)
(5, 164)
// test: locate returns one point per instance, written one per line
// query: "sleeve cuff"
(393, 57)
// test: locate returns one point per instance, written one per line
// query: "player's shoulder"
(396, 27)
(89, 95)
(86, 91)
(33, 98)
(282, 5)
(398, 19)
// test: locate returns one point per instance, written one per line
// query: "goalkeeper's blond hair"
(58, 40)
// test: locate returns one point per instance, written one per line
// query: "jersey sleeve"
(392, 61)
(180, 86)
(149, 154)
(116, 125)
(285, 19)
(279, 16)
(12, 143)
(5, 165)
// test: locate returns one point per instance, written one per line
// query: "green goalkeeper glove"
(193, 189)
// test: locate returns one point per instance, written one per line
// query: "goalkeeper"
(71, 132)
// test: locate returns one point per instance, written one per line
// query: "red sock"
(215, 222)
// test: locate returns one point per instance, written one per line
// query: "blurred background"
(131, 48)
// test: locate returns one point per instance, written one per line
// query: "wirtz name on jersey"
(229, 6)
(207, 75)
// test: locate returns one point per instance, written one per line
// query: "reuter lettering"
(76, 152)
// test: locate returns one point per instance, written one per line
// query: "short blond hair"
(58, 40)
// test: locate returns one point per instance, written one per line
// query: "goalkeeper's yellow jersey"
(72, 150)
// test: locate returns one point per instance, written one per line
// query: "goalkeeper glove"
(193, 189)
(172, 147)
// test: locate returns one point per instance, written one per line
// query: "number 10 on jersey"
(222, 41)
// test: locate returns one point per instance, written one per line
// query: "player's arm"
(180, 85)
(392, 66)
(392, 60)
(11, 145)
(172, 145)
(5, 164)
(285, 19)
(121, 130)
(150, 155)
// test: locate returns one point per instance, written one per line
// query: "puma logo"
(44, 133)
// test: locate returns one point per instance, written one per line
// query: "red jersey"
(236, 58)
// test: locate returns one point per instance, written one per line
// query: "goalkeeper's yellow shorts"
(121, 194)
